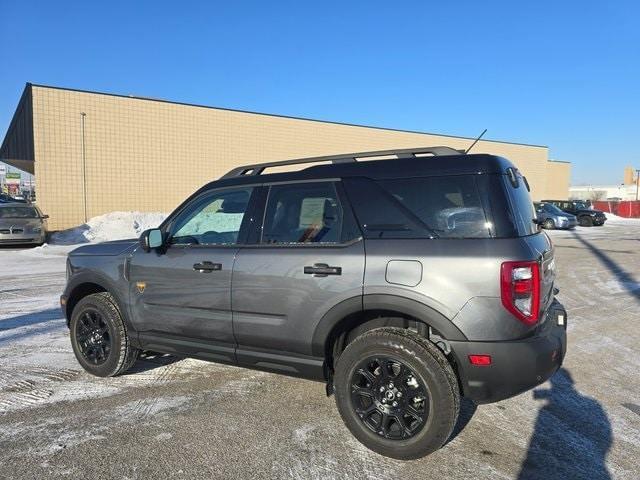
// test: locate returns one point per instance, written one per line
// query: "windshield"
(18, 212)
(581, 205)
(551, 208)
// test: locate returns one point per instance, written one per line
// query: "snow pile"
(110, 226)
(611, 218)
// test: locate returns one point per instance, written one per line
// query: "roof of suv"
(460, 164)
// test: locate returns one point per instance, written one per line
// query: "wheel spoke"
(383, 394)
(371, 378)
(92, 336)
(362, 391)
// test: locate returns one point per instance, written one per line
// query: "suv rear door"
(306, 257)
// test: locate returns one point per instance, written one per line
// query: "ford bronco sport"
(402, 283)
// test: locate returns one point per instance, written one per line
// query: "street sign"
(12, 178)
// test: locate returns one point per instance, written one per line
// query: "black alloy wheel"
(389, 398)
(99, 336)
(93, 337)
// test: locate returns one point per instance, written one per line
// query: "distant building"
(627, 190)
(95, 152)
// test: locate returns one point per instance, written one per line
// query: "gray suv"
(401, 283)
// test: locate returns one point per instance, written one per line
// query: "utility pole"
(637, 182)
(84, 167)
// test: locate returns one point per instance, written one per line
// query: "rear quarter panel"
(460, 279)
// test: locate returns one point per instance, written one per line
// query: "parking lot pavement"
(173, 418)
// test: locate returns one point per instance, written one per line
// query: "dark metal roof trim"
(258, 168)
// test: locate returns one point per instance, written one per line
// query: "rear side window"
(305, 213)
(450, 205)
(426, 207)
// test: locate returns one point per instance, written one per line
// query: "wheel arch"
(88, 284)
(357, 315)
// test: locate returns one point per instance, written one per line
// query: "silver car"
(22, 224)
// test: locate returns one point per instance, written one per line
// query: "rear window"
(522, 212)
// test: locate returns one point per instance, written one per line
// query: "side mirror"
(44, 217)
(151, 238)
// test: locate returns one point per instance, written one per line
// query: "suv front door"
(181, 297)
(307, 257)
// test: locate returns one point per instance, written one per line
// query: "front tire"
(586, 221)
(397, 393)
(548, 224)
(99, 336)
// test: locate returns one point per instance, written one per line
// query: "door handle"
(322, 270)
(207, 267)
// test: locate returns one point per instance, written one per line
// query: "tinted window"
(18, 212)
(379, 214)
(303, 213)
(214, 218)
(450, 206)
(521, 213)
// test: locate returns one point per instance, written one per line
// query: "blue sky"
(563, 74)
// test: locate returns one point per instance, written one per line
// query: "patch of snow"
(110, 226)
(611, 218)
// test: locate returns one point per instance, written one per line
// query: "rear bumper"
(517, 365)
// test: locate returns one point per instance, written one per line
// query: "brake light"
(520, 289)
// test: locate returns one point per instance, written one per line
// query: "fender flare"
(395, 303)
(96, 278)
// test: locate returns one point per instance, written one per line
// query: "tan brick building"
(130, 153)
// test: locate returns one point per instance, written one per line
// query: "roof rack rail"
(258, 168)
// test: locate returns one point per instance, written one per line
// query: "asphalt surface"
(172, 418)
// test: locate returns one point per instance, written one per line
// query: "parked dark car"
(586, 217)
(403, 284)
(4, 198)
(22, 224)
(551, 217)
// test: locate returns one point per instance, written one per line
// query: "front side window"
(303, 213)
(212, 219)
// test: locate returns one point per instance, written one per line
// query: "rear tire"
(586, 221)
(99, 336)
(549, 224)
(409, 425)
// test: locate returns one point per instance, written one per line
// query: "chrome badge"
(141, 286)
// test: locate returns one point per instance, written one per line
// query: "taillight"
(520, 287)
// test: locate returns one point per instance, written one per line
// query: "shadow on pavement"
(30, 319)
(572, 435)
(150, 360)
(625, 279)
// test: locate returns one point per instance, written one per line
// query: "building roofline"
(29, 84)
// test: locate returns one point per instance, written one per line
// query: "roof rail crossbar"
(258, 168)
